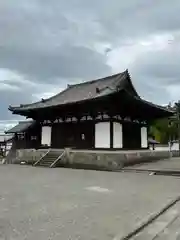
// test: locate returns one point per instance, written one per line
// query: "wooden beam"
(111, 133)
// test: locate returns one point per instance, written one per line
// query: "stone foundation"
(99, 160)
(30, 156)
(112, 160)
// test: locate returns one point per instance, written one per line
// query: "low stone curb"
(152, 217)
(154, 171)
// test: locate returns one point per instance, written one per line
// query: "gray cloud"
(163, 65)
(49, 43)
(65, 62)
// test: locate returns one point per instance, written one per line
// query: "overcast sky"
(45, 44)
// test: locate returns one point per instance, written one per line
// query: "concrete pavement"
(171, 232)
(165, 227)
(171, 164)
(43, 203)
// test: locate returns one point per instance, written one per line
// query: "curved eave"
(135, 93)
(148, 109)
(163, 112)
(22, 111)
(124, 84)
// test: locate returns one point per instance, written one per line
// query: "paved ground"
(42, 203)
(171, 232)
(166, 227)
(172, 164)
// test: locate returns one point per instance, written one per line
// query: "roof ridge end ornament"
(127, 72)
(70, 85)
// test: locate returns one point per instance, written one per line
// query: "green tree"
(164, 130)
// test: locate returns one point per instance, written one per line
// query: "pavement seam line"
(171, 222)
(148, 221)
(156, 172)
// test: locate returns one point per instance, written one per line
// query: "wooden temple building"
(105, 113)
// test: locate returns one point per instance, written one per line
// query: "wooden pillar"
(111, 133)
(5, 148)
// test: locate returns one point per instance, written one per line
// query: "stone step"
(50, 158)
(52, 155)
(47, 161)
(47, 166)
(55, 154)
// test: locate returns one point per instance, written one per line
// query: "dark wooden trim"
(117, 149)
(94, 132)
(47, 124)
(77, 144)
(111, 133)
(122, 121)
(110, 149)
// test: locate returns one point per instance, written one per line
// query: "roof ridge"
(96, 80)
(26, 121)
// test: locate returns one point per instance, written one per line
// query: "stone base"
(29, 156)
(108, 160)
(92, 159)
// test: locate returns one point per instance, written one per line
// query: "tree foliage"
(166, 129)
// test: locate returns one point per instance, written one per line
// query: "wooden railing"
(42, 157)
(59, 157)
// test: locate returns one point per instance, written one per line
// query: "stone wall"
(104, 160)
(30, 156)
(111, 160)
(89, 160)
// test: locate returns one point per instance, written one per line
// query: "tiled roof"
(84, 91)
(92, 90)
(21, 127)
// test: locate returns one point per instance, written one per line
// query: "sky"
(44, 45)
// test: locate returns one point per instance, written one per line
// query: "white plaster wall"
(117, 135)
(46, 135)
(144, 137)
(102, 135)
(175, 147)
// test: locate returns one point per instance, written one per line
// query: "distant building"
(106, 113)
(5, 143)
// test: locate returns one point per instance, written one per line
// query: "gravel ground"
(42, 203)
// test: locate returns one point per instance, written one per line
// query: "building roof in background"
(5, 138)
(21, 127)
